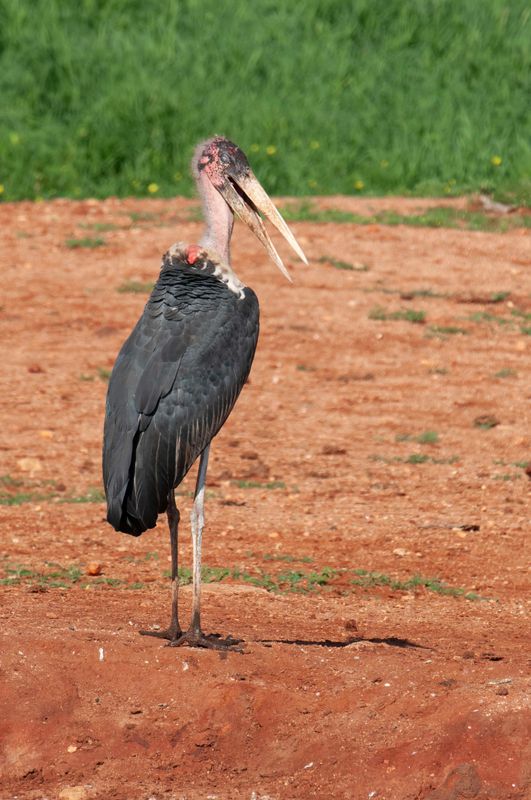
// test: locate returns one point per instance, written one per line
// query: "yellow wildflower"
(496, 161)
(255, 148)
(14, 138)
(271, 149)
(153, 188)
(312, 183)
(314, 145)
(2, 188)
(359, 185)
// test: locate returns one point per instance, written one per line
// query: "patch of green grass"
(426, 437)
(55, 576)
(441, 217)
(525, 330)
(507, 476)
(414, 458)
(345, 265)
(445, 330)
(499, 297)
(86, 241)
(92, 496)
(289, 559)
(486, 316)
(20, 498)
(104, 374)
(407, 314)
(86, 378)
(506, 372)
(417, 458)
(429, 69)
(145, 216)
(258, 485)
(369, 579)
(135, 287)
(101, 227)
(34, 494)
(409, 295)
(8, 480)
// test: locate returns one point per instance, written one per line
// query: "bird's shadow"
(391, 641)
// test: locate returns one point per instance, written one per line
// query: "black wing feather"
(174, 383)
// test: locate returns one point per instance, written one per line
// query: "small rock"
(94, 568)
(30, 465)
(400, 551)
(71, 748)
(46, 434)
(502, 690)
(72, 793)
(35, 369)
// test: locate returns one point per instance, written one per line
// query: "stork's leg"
(174, 631)
(194, 636)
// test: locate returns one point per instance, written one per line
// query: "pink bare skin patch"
(192, 253)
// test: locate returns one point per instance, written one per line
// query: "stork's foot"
(172, 633)
(213, 641)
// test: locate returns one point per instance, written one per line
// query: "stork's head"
(228, 170)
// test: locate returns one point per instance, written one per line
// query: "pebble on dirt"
(94, 568)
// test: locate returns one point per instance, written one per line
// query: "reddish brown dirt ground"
(377, 690)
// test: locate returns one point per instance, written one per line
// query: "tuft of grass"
(414, 458)
(486, 316)
(104, 374)
(345, 265)
(506, 372)
(8, 480)
(145, 216)
(92, 496)
(101, 227)
(285, 557)
(438, 217)
(20, 498)
(446, 330)
(499, 297)
(135, 287)
(368, 579)
(426, 437)
(87, 241)
(407, 314)
(257, 485)
(417, 458)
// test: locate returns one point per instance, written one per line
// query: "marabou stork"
(178, 375)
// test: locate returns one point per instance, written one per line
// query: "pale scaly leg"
(194, 636)
(174, 631)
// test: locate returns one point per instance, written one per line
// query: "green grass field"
(105, 97)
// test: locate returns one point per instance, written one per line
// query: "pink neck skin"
(219, 219)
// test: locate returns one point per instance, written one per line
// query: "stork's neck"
(219, 219)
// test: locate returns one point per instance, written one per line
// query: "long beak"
(247, 202)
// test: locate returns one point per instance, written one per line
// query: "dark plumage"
(175, 382)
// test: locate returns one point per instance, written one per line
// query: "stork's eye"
(225, 158)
